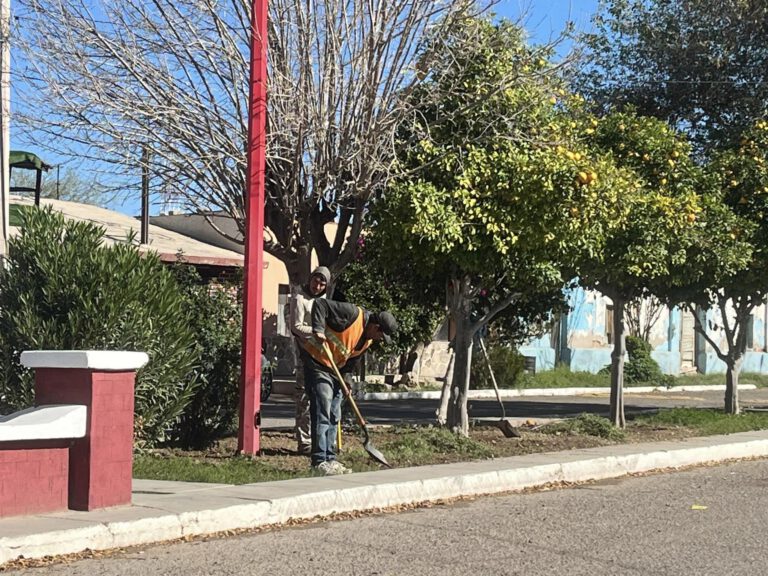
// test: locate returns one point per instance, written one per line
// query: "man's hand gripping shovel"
(373, 452)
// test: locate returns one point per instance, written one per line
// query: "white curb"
(517, 393)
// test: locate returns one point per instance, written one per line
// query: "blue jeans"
(324, 411)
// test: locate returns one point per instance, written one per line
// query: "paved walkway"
(168, 510)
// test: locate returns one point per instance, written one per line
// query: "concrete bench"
(34, 457)
(74, 449)
(52, 422)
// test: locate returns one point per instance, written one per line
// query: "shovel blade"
(374, 453)
(508, 429)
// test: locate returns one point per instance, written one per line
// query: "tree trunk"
(732, 385)
(460, 312)
(445, 395)
(617, 363)
(458, 417)
(735, 358)
(363, 369)
(299, 268)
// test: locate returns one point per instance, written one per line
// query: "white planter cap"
(106, 360)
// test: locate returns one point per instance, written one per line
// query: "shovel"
(504, 425)
(373, 452)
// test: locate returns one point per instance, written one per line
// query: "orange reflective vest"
(342, 344)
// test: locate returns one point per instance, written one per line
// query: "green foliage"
(215, 317)
(490, 189)
(414, 443)
(741, 174)
(586, 424)
(642, 368)
(726, 267)
(506, 362)
(638, 348)
(660, 205)
(697, 64)
(64, 289)
(474, 188)
(378, 279)
(755, 378)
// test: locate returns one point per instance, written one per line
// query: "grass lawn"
(406, 446)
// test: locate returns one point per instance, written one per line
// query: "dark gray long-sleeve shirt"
(337, 316)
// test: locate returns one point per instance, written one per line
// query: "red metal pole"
(250, 384)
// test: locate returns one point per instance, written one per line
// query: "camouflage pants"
(301, 400)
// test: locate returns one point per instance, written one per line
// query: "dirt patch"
(278, 449)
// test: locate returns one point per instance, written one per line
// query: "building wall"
(756, 358)
(580, 340)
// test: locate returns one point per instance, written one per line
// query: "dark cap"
(323, 272)
(387, 323)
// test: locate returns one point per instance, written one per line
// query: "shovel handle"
(493, 377)
(344, 387)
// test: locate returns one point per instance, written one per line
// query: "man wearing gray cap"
(348, 331)
(301, 327)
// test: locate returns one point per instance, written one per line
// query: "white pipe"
(5, 109)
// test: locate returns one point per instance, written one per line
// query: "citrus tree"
(660, 206)
(731, 281)
(377, 281)
(492, 205)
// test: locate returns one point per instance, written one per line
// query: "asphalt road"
(707, 521)
(278, 410)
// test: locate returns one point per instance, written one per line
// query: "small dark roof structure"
(27, 161)
(20, 159)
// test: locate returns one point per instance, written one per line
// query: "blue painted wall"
(583, 343)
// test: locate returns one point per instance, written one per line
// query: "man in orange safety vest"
(348, 331)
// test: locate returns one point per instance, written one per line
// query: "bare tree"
(641, 314)
(67, 184)
(107, 78)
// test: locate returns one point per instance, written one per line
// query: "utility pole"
(5, 110)
(144, 195)
(250, 385)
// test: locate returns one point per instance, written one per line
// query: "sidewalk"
(168, 510)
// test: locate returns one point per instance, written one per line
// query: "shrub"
(216, 318)
(586, 424)
(642, 368)
(64, 289)
(507, 363)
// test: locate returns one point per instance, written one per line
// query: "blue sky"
(544, 19)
